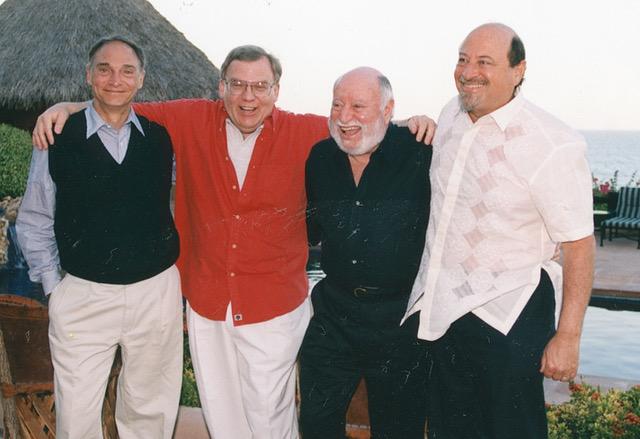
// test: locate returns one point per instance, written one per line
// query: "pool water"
(610, 345)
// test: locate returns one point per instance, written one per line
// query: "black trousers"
(487, 385)
(349, 338)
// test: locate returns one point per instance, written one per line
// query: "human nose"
(467, 70)
(115, 78)
(345, 114)
(247, 92)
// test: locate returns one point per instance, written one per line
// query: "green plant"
(592, 414)
(15, 156)
(602, 188)
(634, 181)
(189, 394)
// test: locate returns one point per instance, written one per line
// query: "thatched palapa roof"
(44, 46)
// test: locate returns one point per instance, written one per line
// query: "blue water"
(610, 345)
(614, 150)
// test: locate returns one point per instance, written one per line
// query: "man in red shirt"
(240, 211)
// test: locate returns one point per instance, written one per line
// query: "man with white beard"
(368, 193)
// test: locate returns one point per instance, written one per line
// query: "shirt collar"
(505, 114)
(229, 124)
(95, 122)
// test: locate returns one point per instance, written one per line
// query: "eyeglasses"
(259, 88)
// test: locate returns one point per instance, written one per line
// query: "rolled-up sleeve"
(34, 224)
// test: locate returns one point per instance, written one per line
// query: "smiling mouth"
(349, 131)
(471, 85)
(246, 109)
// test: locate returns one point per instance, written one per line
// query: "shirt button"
(236, 217)
(234, 187)
(354, 261)
(237, 317)
(226, 158)
(232, 274)
(234, 246)
(358, 203)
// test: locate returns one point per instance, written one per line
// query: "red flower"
(632, 418)
(574, 387)
(617, 430)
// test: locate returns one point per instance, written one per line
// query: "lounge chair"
(625, 217)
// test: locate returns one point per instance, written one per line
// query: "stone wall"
(8, 213)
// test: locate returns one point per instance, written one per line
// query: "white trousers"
(246, 374)
(87, 322)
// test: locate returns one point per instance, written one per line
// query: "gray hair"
(386, 92)
(106, 40)
(251, 53)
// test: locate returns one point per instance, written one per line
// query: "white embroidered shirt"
(505, 190)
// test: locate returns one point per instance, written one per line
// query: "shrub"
(595, 415)
(15, 156)
(189, 394)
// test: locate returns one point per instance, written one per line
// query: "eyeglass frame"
(248, 84)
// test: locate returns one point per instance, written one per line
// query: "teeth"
(472, 84)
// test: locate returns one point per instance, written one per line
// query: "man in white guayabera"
(509, 182)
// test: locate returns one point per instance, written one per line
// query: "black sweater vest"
(112, 221)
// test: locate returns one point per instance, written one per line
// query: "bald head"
(497, 30)
(372, 78)
(503, 34)
(361, 110)
(490, 69)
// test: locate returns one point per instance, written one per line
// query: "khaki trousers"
(88, 321)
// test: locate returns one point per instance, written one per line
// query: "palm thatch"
(44, 46)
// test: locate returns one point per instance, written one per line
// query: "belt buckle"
(359, 291)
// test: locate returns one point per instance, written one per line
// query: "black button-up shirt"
(372, 234)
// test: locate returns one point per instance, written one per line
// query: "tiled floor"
(617, 270)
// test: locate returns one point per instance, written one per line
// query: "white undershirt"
(240, 149)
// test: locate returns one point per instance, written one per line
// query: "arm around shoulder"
(53, 120)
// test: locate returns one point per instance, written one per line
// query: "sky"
(582, 56)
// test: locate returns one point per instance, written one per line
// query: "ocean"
(614, 150)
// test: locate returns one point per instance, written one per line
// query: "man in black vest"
(97, 207)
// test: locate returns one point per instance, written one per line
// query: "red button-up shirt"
(245, 247)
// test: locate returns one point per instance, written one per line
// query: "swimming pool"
(610, 345)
